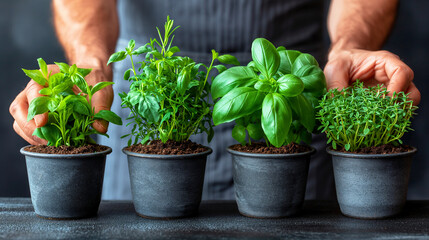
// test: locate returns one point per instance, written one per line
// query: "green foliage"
(273, 97)
(70, 115)
(358, 117)
(169, 95)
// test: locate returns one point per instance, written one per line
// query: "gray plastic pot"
(166, 186)
(270, 185)
(371, 186)
(65, 186)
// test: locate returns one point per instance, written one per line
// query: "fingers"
(102, 100)
(33, 140)
(414, 94)
(19, 111)
(337, 74)
(399, 74)
(32, 91)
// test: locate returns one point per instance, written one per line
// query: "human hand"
(372, 67)
(102, 100)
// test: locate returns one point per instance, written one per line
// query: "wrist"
(92, 58)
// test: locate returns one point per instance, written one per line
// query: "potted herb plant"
(66, 175)
(272, 98)
(168, 102)
(371, 165)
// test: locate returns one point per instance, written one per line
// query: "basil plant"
(272, 98)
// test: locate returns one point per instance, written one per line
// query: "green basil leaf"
(108, 116)
(131, 44)
(252, 66)
(265, 57)
(143, 49)
(38, 133)
(116, 57)
(64, 67)
(149, 108)
(81, 107)
(61, 88)
(220, 68)
(280, 48)
(37, 106)
(174, 49)
(302, 60)
(312, 99)
(57, 79)
(84, 71)
(183, 80)
(228, 59)
(263, 86)
(49, 133)
(45, 91)
(276, 118)
(156, 54)
(36, 75)
(43, 67)
(239, 134)
(100, 85)
(72, 69)
(237, 103)
(287, 58)
(127, 74)
(63, 103)
(134, 97)
(232, 78)
(313, 79)
(290, 85)
(304, 110)
(347, 146)
(255, 131)
(80, 82)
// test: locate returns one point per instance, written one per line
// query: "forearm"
(87, 30)
(358, 24)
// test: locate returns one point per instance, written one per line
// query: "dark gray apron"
(228, 26)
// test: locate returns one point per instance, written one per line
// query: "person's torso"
(228, 26)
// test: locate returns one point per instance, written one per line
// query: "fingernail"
(37, 120)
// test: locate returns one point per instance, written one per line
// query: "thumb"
(102, 100)
(337, 74)
(41, 120)
(32, 92)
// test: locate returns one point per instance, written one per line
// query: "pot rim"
(369, 156)
(267, 155)
(48, 155)
(168, 157)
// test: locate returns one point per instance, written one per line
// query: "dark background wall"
(27, 34)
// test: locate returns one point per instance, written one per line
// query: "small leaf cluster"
(359, 117)
(272, 98)
(169, 95)
(70, 115)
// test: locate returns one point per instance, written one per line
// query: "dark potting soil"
(382, 149)
(260, 147)
(66, 149)
(168, 148)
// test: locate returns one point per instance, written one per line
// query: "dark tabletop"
(217, 220)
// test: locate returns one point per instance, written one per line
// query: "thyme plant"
(358, 117)
(169, 95)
